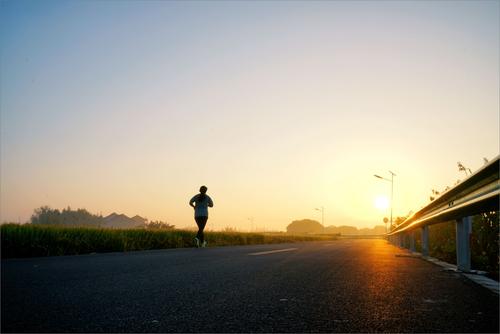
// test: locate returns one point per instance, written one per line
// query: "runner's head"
(203, 189)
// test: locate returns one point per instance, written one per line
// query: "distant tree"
(46, 215)
(331, 230)
(365, 231)
(159, 225)
(230, 229)
(304, 226)
(351, 230)
(347, 230)
(80, 217)
(379, 229)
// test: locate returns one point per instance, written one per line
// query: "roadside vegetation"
(30, 240)
(484, 237)
(483, 242)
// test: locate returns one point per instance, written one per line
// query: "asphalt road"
(339, 286)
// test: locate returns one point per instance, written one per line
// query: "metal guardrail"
(478, 193)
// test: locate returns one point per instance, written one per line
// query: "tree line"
(310, 226)
(45, 215)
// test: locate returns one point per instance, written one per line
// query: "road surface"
(337, 286)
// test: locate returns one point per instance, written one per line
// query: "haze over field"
(278, 107)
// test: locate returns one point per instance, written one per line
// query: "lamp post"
(251, 224)
(391, 180)
(322, 217)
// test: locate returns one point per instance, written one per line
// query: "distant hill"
(139, 219)
(115, 220)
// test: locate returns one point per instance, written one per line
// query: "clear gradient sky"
(278, 107)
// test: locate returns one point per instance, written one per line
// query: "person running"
(200, 203)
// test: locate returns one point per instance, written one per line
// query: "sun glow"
(381, 202)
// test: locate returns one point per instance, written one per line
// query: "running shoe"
(197, 242)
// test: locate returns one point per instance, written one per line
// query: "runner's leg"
(201, 221)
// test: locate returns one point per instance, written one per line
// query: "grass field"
(43, 240)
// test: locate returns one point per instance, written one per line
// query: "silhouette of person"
(200, 203)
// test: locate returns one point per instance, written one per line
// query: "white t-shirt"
(201, 207)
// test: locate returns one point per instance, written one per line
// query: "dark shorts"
(201, 220)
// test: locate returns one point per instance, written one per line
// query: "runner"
(200, 203)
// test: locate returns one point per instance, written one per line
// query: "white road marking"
(274, 251)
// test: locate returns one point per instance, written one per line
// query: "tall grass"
(44, 240)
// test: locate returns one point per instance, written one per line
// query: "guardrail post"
(401, 240)
(412, 240)
(464, 228)
(425, 241)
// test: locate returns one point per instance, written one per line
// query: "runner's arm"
(191, 202)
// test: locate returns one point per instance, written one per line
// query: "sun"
(381, 202)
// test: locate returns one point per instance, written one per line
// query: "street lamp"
(322, 217)
(391, 180)
(251, 224)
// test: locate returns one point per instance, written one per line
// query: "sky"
(277, 107)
